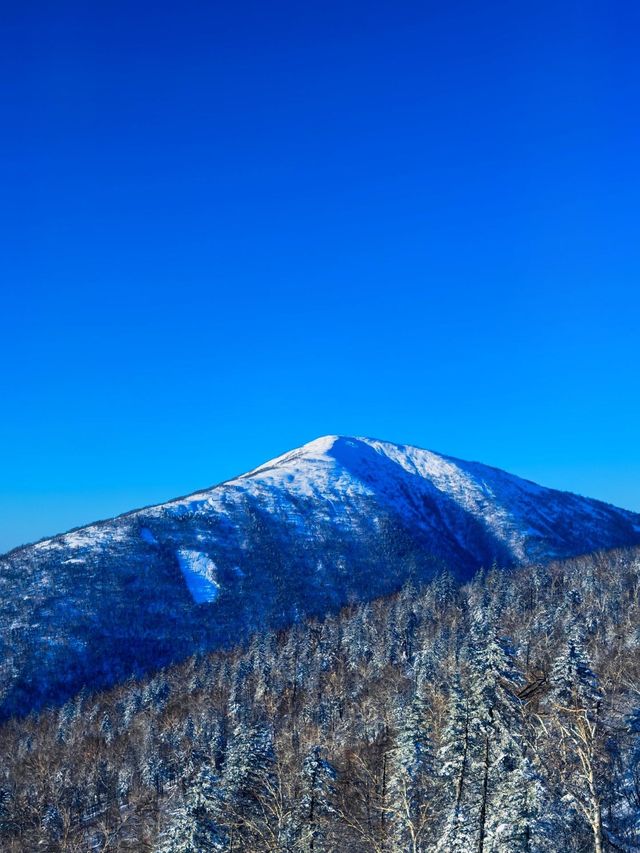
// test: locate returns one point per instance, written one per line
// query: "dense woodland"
(502, 715)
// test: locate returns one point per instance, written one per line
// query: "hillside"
(500, 716)
(336, 521)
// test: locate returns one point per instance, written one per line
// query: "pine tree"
(193, 827)
(248, 780)
(315, 801)
(106, 728)
(487, 811)
(411, 771)
(575, 712)
(498, 730)
(52, 823)
(454, 763)
(573, 683)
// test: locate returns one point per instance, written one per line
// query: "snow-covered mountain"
(337, 520)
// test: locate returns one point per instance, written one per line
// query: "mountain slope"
(337, 520)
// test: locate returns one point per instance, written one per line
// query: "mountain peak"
(317, 447)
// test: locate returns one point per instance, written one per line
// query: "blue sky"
(230, 228)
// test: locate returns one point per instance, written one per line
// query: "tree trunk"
(598, 846)
(485, 787)
(463, 768)
(384, 793)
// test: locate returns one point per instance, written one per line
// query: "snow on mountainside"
(527, 521)
(337, 520)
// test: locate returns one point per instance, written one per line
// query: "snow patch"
(199, 573)
(148, 536)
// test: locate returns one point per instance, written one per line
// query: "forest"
(501, 715)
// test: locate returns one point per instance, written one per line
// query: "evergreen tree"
(489, 766)
(409, 801)
(454, 763)
(315, 801)
(192, 826)
(106, 728)
(573, 683)
(248, 781)
(575, 714)
(52, 823)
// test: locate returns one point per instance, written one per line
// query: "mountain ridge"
(272, 463)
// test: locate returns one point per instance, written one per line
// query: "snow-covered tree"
(193, 826)
(454, 768)
(409, 801)
(248, 783)
(315, 802)
(484, 750)
(581, 755)
(626, 788)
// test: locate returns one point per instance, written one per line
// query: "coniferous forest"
(498, 716)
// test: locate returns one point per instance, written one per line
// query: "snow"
(330, 480)
(199, 573)
(101, 534)
(310, 473)
(330, 521)
(313, 449)
(474, 493)
(342, 485)
(148, 536)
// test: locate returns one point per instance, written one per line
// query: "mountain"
(337, 520)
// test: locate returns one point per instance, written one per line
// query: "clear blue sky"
(228, 228)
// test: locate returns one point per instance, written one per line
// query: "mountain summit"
(338, 520)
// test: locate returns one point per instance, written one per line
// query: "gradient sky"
(228, 228)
